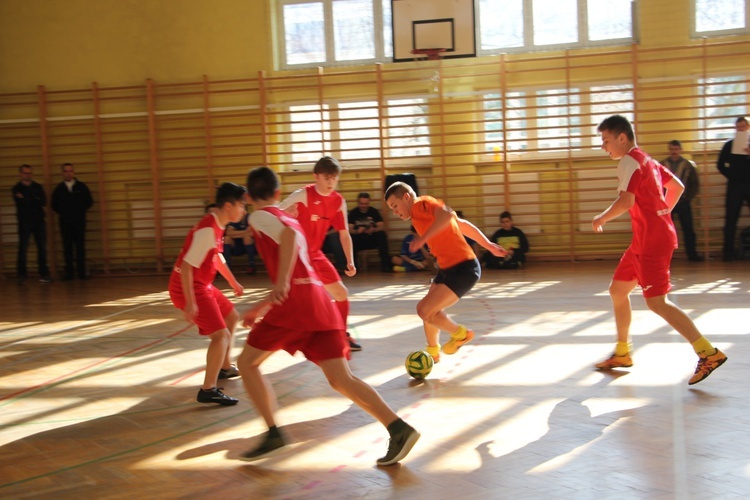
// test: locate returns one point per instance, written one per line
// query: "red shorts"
(651, 270)
(324, 269)
(317, 346)
(213, 307)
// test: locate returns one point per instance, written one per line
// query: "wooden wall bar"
(486, 134)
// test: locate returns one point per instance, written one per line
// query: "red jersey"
(449, 246)
(308, 306)
(641, 175)
(317, 213)
(201, 246)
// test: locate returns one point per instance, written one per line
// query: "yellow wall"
(71, 43)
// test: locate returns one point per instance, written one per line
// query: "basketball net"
(429, 54)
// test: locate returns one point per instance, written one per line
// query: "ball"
(418, 364)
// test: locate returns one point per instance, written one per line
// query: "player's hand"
(351, 269)
(279, 294)
(416, 244)
(292, 210)
(190, 312)
(238, 290)
(251, 316)
(597, 224)
(497, 250)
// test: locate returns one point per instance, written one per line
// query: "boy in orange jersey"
(439, 228)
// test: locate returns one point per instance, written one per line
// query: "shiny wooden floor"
(98, 383)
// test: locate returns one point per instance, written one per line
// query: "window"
(515, 25)
(330, 32)
(350, 131)
(554, 120)
(723, 100)
(719, 17)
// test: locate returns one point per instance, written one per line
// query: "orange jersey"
(449, 246)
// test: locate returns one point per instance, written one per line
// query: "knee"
(424, 311)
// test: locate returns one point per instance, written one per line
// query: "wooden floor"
(98, 383)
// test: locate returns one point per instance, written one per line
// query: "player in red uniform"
(319, 207)
(642, 186)
(443, 232)
(191, 289)
(298, 316)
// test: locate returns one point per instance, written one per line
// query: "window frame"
(694, 33)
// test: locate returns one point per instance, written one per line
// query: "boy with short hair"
(192, 291)
(513, 240)
(278, 322)
(439, 227)
(642, 186)
(318, 207)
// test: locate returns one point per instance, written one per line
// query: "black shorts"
(460, 278)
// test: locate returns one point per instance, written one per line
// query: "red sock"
(343, 307)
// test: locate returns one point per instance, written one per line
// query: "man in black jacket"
(735, 166)
(30, 201)
(70, 200)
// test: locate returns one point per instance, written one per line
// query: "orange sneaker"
(454, 344)
(615, 361)
(706, 366)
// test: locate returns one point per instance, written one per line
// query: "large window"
(551, 120)
(330, 32)
(723, 100)
(716, 17)
(337, 32)
(350, 131)
(525, 25)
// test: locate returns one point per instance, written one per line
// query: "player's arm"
(346, 238)
(256, 312)
(186, 280)
(289, 205)
(622, 204)
(470, 230)
(674, 189)
(443, 216)
(223, 268)
(287, 255)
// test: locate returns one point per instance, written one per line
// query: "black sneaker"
(400, 444)
(229, 373)
(273, 442)
(216, 396)
(353, 346)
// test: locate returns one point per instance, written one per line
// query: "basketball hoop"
(429, 54)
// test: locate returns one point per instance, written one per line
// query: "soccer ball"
(418, 364)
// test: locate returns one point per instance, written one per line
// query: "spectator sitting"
(332, 246)
(238, 240)
(367, 229)
(412, 261)
(513, 240)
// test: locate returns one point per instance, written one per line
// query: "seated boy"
(407, 260)
(192, 291)
(238, 240)
(513, 240)
(298, 315)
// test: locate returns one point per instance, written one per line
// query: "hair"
(399, 189)
(229, 192)
(460, 214)
(740, 119)
(262, 183)
(25, 165)
(208, 207)
(363, 195)
(62, 167)
(617, 124)
(675, 142)
(506, 215)
(327, 166)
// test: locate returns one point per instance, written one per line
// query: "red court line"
(52, 381)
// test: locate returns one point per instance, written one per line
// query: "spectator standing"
(684, 170)
(734, 164)
(30, 200)
(71, 199)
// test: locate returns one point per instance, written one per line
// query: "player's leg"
(336, 369)
(229, 370)
(263, 397)
(623, 282)
(336, 289)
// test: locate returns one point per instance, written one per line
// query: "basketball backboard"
(427, 25)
